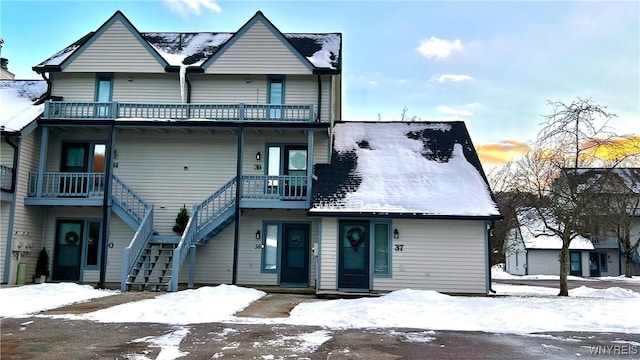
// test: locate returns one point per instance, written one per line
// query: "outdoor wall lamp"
(258, 235)
(396, 233)
(258, 156)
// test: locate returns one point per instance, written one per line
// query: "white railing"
(282, 187)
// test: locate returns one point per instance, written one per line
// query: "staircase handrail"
(217, 203)
(182, 250)
(128, 200)
(140, 239)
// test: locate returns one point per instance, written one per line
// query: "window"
(382, 246)
(275, 94)
(603, 262)
(270, 248)
(289, 161)
(104, 90)
(575, 267)
(92, 250)
(83, 157)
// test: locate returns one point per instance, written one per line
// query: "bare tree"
(548, 176)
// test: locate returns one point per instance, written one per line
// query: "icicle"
(183, 72)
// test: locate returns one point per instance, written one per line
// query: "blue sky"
(492, 64)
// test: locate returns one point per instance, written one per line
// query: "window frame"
(90, 156)
(263, 243)
(372, 232)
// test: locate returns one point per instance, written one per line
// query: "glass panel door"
(353, 267)
(296, 168)
(67, 251)
(295, 254)
(276, 97)
(103, 94)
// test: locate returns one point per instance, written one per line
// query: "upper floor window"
(104, 92)
(275, 95)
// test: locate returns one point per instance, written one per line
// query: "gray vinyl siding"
(147, 88)
(249, 258)
(254, 142)
(153, 165)
(120, 234)
(543, 262)
(27, 220)
(214, 260)
(328, 258)
(228, 89)
(116, 50)
(143, 88)
(74, 87)
(5, 207)
(257, 51)
(6, 154)
(440, 255)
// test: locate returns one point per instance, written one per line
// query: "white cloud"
(373, 83)
(455, 112)
(454, 78)
(440, 48)
(188, 7)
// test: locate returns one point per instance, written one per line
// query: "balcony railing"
(67, 184)
(214, 112)
(602, 239)
(253, 187)
(5, 177)
(266, 187)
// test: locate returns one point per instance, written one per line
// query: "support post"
(106, 206)
(44, 144)
(236, 237)
(192, 266)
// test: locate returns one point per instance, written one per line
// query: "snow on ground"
(169, 345)
(29, 299)
(515, 309)
(202, 305)
(498, 273)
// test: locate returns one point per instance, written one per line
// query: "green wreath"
(71, 238)
(356, 237)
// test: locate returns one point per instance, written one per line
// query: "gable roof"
(320, 51)
(17, 97)
(64, 57)
(630, 177)
(417, 169)
(533, 234)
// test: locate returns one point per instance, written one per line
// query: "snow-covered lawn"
(516, 309)
(29, 299)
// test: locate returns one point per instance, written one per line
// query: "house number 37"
(398, 247)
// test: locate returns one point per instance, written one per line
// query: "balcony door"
(77, 248)
(289, 164)
(275, 94)
(85, 163)
(104, 92)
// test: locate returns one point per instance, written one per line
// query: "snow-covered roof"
(629, 176)
(195, 48)
(16, 98)
(421, 169)
(534, 236)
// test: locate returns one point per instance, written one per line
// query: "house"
(530, 250)
(5, 74)
(240, 129)
(17, 121)
(618, 192)
(418, 191)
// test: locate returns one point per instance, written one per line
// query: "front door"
(295, 255)
(353, 267)
(67, 258)
(594, 264)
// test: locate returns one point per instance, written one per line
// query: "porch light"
(258, 235)
(258, 156)
(396, 233)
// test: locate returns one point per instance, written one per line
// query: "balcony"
(87, 189)
(604, 241)
(214, 112)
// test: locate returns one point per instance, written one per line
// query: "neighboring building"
(530, 250)
(237, 128)
(5, 74)
(17, 122)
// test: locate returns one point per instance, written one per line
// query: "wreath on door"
(356, 237)
(71, 238)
